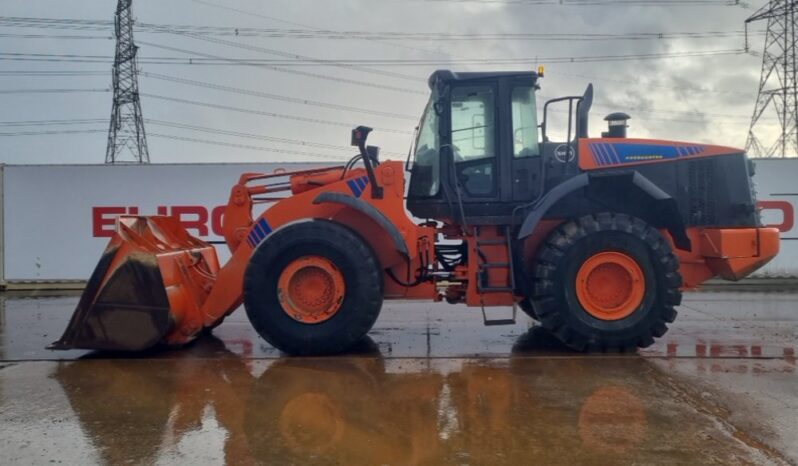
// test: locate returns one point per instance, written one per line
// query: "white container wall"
(57, 219)
(777, 191)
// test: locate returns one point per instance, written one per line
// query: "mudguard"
(370, 211)
(668, 206)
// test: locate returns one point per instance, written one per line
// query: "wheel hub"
(311, 289)
(610, 285)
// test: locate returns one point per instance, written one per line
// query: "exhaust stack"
(617, 123)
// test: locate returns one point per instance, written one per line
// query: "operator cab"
(480, 149)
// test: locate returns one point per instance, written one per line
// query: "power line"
(175, 137)
(264, 64)
(236, 31)
(282, 98)
(596, 2)
(293, 23)
(292, 56)
(268, 114)
(323, 104)
(247, 146)
(625, 82)
(53, 122)
(55, 22)
(54, 36)
(48, 132)
(52, 73)
(261, 137)
(208, 59)
(440, 36)
(50, 91)
(178, 138)
(581, 77)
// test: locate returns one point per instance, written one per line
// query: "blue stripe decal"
(604, 159)
(355, 189)
(360, 183)
(607, 155)
(629, 153)
(593, 153)
(258, 232)
(597, 154)
(610, 155)
(622, 153)
(265, 226)
(614, 153)
(617, 157)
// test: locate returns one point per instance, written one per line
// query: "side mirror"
(359, 135)
(583, 111)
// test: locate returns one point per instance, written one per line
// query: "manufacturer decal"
(564, 153)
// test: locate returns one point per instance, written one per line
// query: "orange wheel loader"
(596, 238)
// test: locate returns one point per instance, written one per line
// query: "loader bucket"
(147, 289)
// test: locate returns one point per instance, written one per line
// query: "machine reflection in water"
(366, 409)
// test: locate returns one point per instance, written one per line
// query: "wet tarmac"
(431, 386)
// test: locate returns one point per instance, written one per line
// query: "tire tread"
(544, 298)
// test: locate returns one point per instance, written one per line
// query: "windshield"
(425, 179)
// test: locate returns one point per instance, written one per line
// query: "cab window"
(425, 179)
(473, 123)
(473, 110)
(525, 122)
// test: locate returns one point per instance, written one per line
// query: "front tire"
(313, 287)
(606, 282)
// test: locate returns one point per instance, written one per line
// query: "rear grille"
(701, 184)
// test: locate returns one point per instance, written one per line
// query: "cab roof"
(451, 76)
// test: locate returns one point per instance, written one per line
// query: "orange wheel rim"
(311, 289)
(610, 285)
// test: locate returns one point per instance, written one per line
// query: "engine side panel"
(711, 184)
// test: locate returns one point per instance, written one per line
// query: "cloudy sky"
(261, 112)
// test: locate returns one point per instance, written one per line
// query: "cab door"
(474, 144)
(526, 152)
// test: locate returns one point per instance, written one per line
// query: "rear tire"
(565, 306)
(346, 255)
